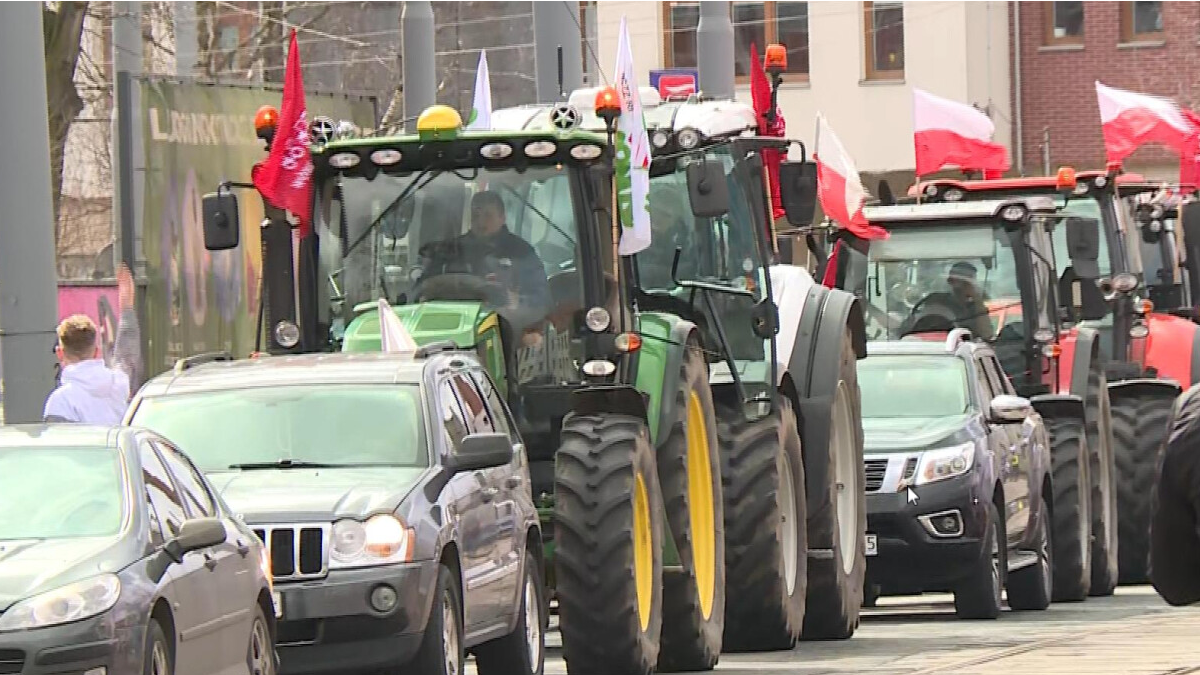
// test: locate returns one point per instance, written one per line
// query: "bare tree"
(62, 29)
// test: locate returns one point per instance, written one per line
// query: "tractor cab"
(985, 266)
(1170, 273)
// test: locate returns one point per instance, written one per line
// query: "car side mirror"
(481, 451)
(221, 224)
(707, 190)
(194, 535)
(1083, 245)
(1006, 408)
(798, 191)
(765, 318)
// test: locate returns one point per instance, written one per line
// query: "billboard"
(196, 136)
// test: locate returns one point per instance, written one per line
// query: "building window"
(1064, 23)
(883, 30)
(1141, 21)
(758, 23)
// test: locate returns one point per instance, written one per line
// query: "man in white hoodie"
(92, 392)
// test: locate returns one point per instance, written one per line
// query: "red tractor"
(1148, 356)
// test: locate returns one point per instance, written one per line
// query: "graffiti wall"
(195, 137)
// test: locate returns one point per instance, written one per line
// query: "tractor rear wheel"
(689, 464)
(762, 468)
(835, 582)
(1070, 508)
(1104, 492)
(1139, 431)
(608, 545)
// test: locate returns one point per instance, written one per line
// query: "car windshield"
(56, 493)
(325, 425)
(913, 386)
(938, 277)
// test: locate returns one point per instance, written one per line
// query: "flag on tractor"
(760, 95)
(949, 133)
(1189, 159)
(633, 154)
(481, 107)
(393, 336)
(285, 178)
(839, 187)
(1130, 120)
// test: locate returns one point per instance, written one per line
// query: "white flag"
(481, 107)
(633, 154)
(393, 336)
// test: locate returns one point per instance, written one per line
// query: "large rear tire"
(765, 526)
(689, 463)
(608, 553)
(1139, 431)
(1070, 507)
(835, 582)
(1104, 491)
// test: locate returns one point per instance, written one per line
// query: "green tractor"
(662, 421)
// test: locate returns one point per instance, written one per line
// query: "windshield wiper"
(409, 189)
(284, 464)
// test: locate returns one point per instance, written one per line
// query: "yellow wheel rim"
(700, 505)
(643, 551)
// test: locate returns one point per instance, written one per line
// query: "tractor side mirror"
(221, 225)
(765, 318)
(1083, 246)
(707, 189)
(798, 191)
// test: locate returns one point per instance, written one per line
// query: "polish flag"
(949, 133)
(839, 188)
(1189, 159)
(1130, 120)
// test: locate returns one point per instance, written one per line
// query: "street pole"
(186, 41)
(419, 58)
(555, 27)
(714, 49)
(128, 156)
(28, 278)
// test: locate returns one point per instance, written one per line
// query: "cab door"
(1013, 453)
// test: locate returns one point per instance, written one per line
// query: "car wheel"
(523, 651)
(158, 660)
(441, 650)
(1031, 587)
(978, 597)
(260, 654)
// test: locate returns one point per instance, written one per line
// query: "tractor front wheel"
(1139, 431)
(1105, 539)
(608, 554)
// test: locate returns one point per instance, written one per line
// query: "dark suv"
(392, 492)
(956, 467)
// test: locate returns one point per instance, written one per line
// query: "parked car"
(117, 556)
(956, 468)
(393, 494)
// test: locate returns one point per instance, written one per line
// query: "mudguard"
(1172, 348)
(663, 344)
(609, 398)
(1074, 364)
(1054, 406)
(1140, 387)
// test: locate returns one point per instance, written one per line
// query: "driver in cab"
(972, 313)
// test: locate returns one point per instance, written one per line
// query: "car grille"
(910, 467)
(11, 661)
(875, 470)
(296, 551)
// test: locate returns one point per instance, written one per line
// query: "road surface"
(1133, 632)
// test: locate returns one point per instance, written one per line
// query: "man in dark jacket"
(1175, 523)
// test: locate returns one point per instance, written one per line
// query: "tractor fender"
(1084, 356)
(1058, 406)
(1143, 386)
(662, 412)
(1172, 348)
(800, 301)
(622, 399)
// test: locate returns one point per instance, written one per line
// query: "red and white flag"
(1189, 159)
(285, 178)
(949, 133)
(1130, 120)
(839, 187)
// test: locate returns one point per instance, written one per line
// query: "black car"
(117, 557)
(393, 493)
(956, 468)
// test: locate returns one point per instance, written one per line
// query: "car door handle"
(243, 548)
(513, 482)
(209, 561)
(488, 493)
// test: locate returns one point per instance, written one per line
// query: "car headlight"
(379, 540)
(945, 463)
(73, 602)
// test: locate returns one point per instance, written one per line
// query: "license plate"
(277, 600)
(872, 544)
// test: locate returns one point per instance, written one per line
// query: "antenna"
(561, 93)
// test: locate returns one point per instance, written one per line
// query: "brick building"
(1151, 47)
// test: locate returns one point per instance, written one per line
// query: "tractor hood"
(318, 495)
(427, 322)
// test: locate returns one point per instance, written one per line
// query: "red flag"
(1189, 158)
(285, 178)
(839, 188)
(760, 94)
(949, 133)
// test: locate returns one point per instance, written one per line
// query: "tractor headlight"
(586, 151)
(386, 156)
(496, 150)
(379, 540)
(597, 319)
(945, 463)
(688, 138)
(659, 138)
(287, 334)
(1081, 189)
(1013, 213)
(344, 160)
(539, 149)
(73, 602)
(1124, 282)
(953, 195)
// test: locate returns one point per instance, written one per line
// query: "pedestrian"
(1175, 520)
(91, 390)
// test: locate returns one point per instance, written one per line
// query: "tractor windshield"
(935, 277)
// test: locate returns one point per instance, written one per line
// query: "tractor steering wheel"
(459, 286)
(944, 305)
